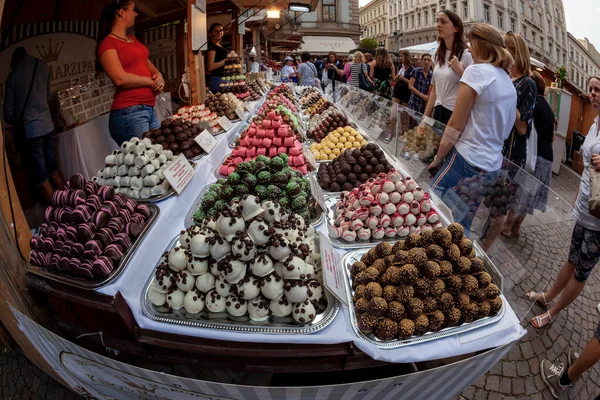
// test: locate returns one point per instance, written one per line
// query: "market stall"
(256, 267)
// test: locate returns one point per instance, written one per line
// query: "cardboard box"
(578, 162)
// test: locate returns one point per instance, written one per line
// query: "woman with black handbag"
(359, 73)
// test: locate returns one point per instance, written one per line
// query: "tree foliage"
(369, 43)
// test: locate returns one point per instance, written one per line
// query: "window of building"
(487, 13)
(522, 7)
(418, 19)
(412, 21)
(556, 33)
(453, 6)
(329, 10)
(465, 9)
(557, 14)
(542, 42)
(513, 25)
(531, 12)
(500, 20)
(510, 3)
(524, 31)
(426, 16)
(540, 18)
(533, 36)
(550, 49)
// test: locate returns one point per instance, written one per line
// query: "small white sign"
(376, 131)
(206, 141)
(458, 207)
(179, 173)
(527, 182)
(317, 192)
(240, 113)
(250, 106)
(225, 123)
(333, 274)
(310, 157)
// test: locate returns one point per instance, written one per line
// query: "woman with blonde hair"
(357, 68)
(382, 73)
(482, 118)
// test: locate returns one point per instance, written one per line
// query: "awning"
(325, 44)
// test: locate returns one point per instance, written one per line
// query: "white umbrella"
(429, 48)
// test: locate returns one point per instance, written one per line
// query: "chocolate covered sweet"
(414, 308)
(452, 317)
(492, 291)
(495, 305)
(406, 328)
(386, 329)
(484, 279)
(377, 307)
(367, 322)
(421, 324)
(436, 321)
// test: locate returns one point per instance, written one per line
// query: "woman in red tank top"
(125, 61)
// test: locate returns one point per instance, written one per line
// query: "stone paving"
(529, 262)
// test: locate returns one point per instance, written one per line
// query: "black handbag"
(363, 83)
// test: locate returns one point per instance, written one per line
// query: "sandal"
(539, 298)
(539, 320)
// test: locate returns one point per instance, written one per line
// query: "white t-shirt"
(581, 211)
(255, 67)
(447, 81)
(492, 116)
(287, 70)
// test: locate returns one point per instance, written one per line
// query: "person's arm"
(371, 71)
(340, 72)
(159, 81)
(211, 64)
(411, 86)
(121, 79)
(464, 103)
(9, 102)
(431, 102)
(520, 125)
(393, 72)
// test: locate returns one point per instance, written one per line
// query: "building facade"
(540, 22)
(583, 63)
(374, 21)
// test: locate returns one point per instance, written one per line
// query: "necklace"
(119, 37)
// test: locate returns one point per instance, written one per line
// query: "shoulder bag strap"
(29, 92)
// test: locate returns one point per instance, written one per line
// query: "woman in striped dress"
(358, 67)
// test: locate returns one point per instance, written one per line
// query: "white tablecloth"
(84, 148)
(171, 221)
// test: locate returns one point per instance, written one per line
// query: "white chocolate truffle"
(178, 259)
(236, 306)
(315, 291)
(304, 312)
(184, 280)
(109, 160)
(205, 282)
(200, 246)
(134, 194)
(223, 287)
(136, 183)
(280, 249)
(219, 248)
(155, 163)
(175, 299)
(162, 159)
(294, 268)
(232, 270)
(250, 207)
(134, 171)
(129, 159)
(229, 226)
(258, 309)
(197, 266)
(139, 149)
(296, 291)
(193, 302)
(259, 232)
(215, 302)
(157, 298)
(243, 247)
(122, 170)
(249, 287)
(151, 154)
(272, 211)
(281, 307)
(272, 286)
(119, 158)
(147, 142)
(261, 265)
(146, 193)
(151, 180)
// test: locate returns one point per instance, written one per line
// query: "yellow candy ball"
(327, 151)
(339, 145)
(356, 145)
(348, 129)
(348, 145)
(332, 156)
(343, 140)
(336, 152)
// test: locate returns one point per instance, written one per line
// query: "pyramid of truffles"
(224, 105)
(353, 168)
(200, 116)
(428, 282)
(269, 135)
(255, 260)
(266, 178)
(386, 207)
(137, 169)
(176, 135)
(87, 229)
(233, 81)
(323, 123)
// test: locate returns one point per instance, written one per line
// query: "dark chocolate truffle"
(463, 266)
(414, 308)
(373, 289)
(431, 269)
(470, 312)
(484, 309)
(394, 275)
(445, 302)
(465, 246)
(453, 253)
(470, 284)
(426, 239)
(445, 269)
(457, 231)
(366, 323)
(421, 287)
(360, 306)
(452, 317)
(421, 324)
(484, 279)
(377, 307)
(399, 245)
(408, 274)
(401, 257)
(369, 257)
(380, 266)
(462, 300)
(492, 291)
(406, 328)
(357, 267)
(442, 237)
(435, 252)
(389, 293)
(454, 284)
(412, 240)
(386, 329)
(396, 311)
(495, 305)
(476, 265)
(436, 321)
(359, 292)
(389, 260)
(371, 274)
(429, 305)
(383, 249)
(417, 256)
(437, 287)
(404, 293)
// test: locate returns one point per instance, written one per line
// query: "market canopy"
(325, 44)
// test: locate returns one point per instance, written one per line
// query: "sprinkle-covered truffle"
(478, 295)
(356, 268)
(399, 245)
(401, 257)
(389, 260)
(453, 253)
(492, 291)
(465, 246)
(377, 307)
(442, 237)
(457, 231)
(360, 305)
(421, 324)
(463, 266)
(417, 256)
(426, 239)
(454, 284)
(412, 240)
(430, 304)
(470, 284)
(484, 279)
(495, 305)
(373, 289)
(404, 293)
(386, 329)
(369, 257)
(406, 328)
(436, 321)
(396, 311)
(437, 287)
(366, 323)
(462, 300)
(359, 291)
(408, 274)
(435, 252)
(414, 308)
(445, 302)
(383, 249)
(371, 274)
(476, 265)
(380, 266)
(452, 317)
(431, 269)
(389, 293)
(421, 287)
(446, 269)
(394, 275)
(470, 312)
(484, 309)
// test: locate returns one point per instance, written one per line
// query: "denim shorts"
(450, 176)
(584, 252)
(40, 158)
(132, 121)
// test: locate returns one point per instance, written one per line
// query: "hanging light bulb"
(272, 14)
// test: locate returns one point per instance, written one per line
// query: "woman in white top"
(484, 113)
(584, 252)
(288, 69)
(451, 59)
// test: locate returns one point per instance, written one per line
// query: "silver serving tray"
(349, 258)
(170, 192)
(93, 284)
(189, 218)
(223, 321)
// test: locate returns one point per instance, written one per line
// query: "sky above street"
(582, 16)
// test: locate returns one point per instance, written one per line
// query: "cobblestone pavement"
(529, 262)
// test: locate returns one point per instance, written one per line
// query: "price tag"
(250, 106)
(240, 113)
(317, 192)
(527, 182)
(206, 141)
(458, 207)
(333, 273)
(376, 132)
(225, 123)
(428, 120)
(179, 173)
